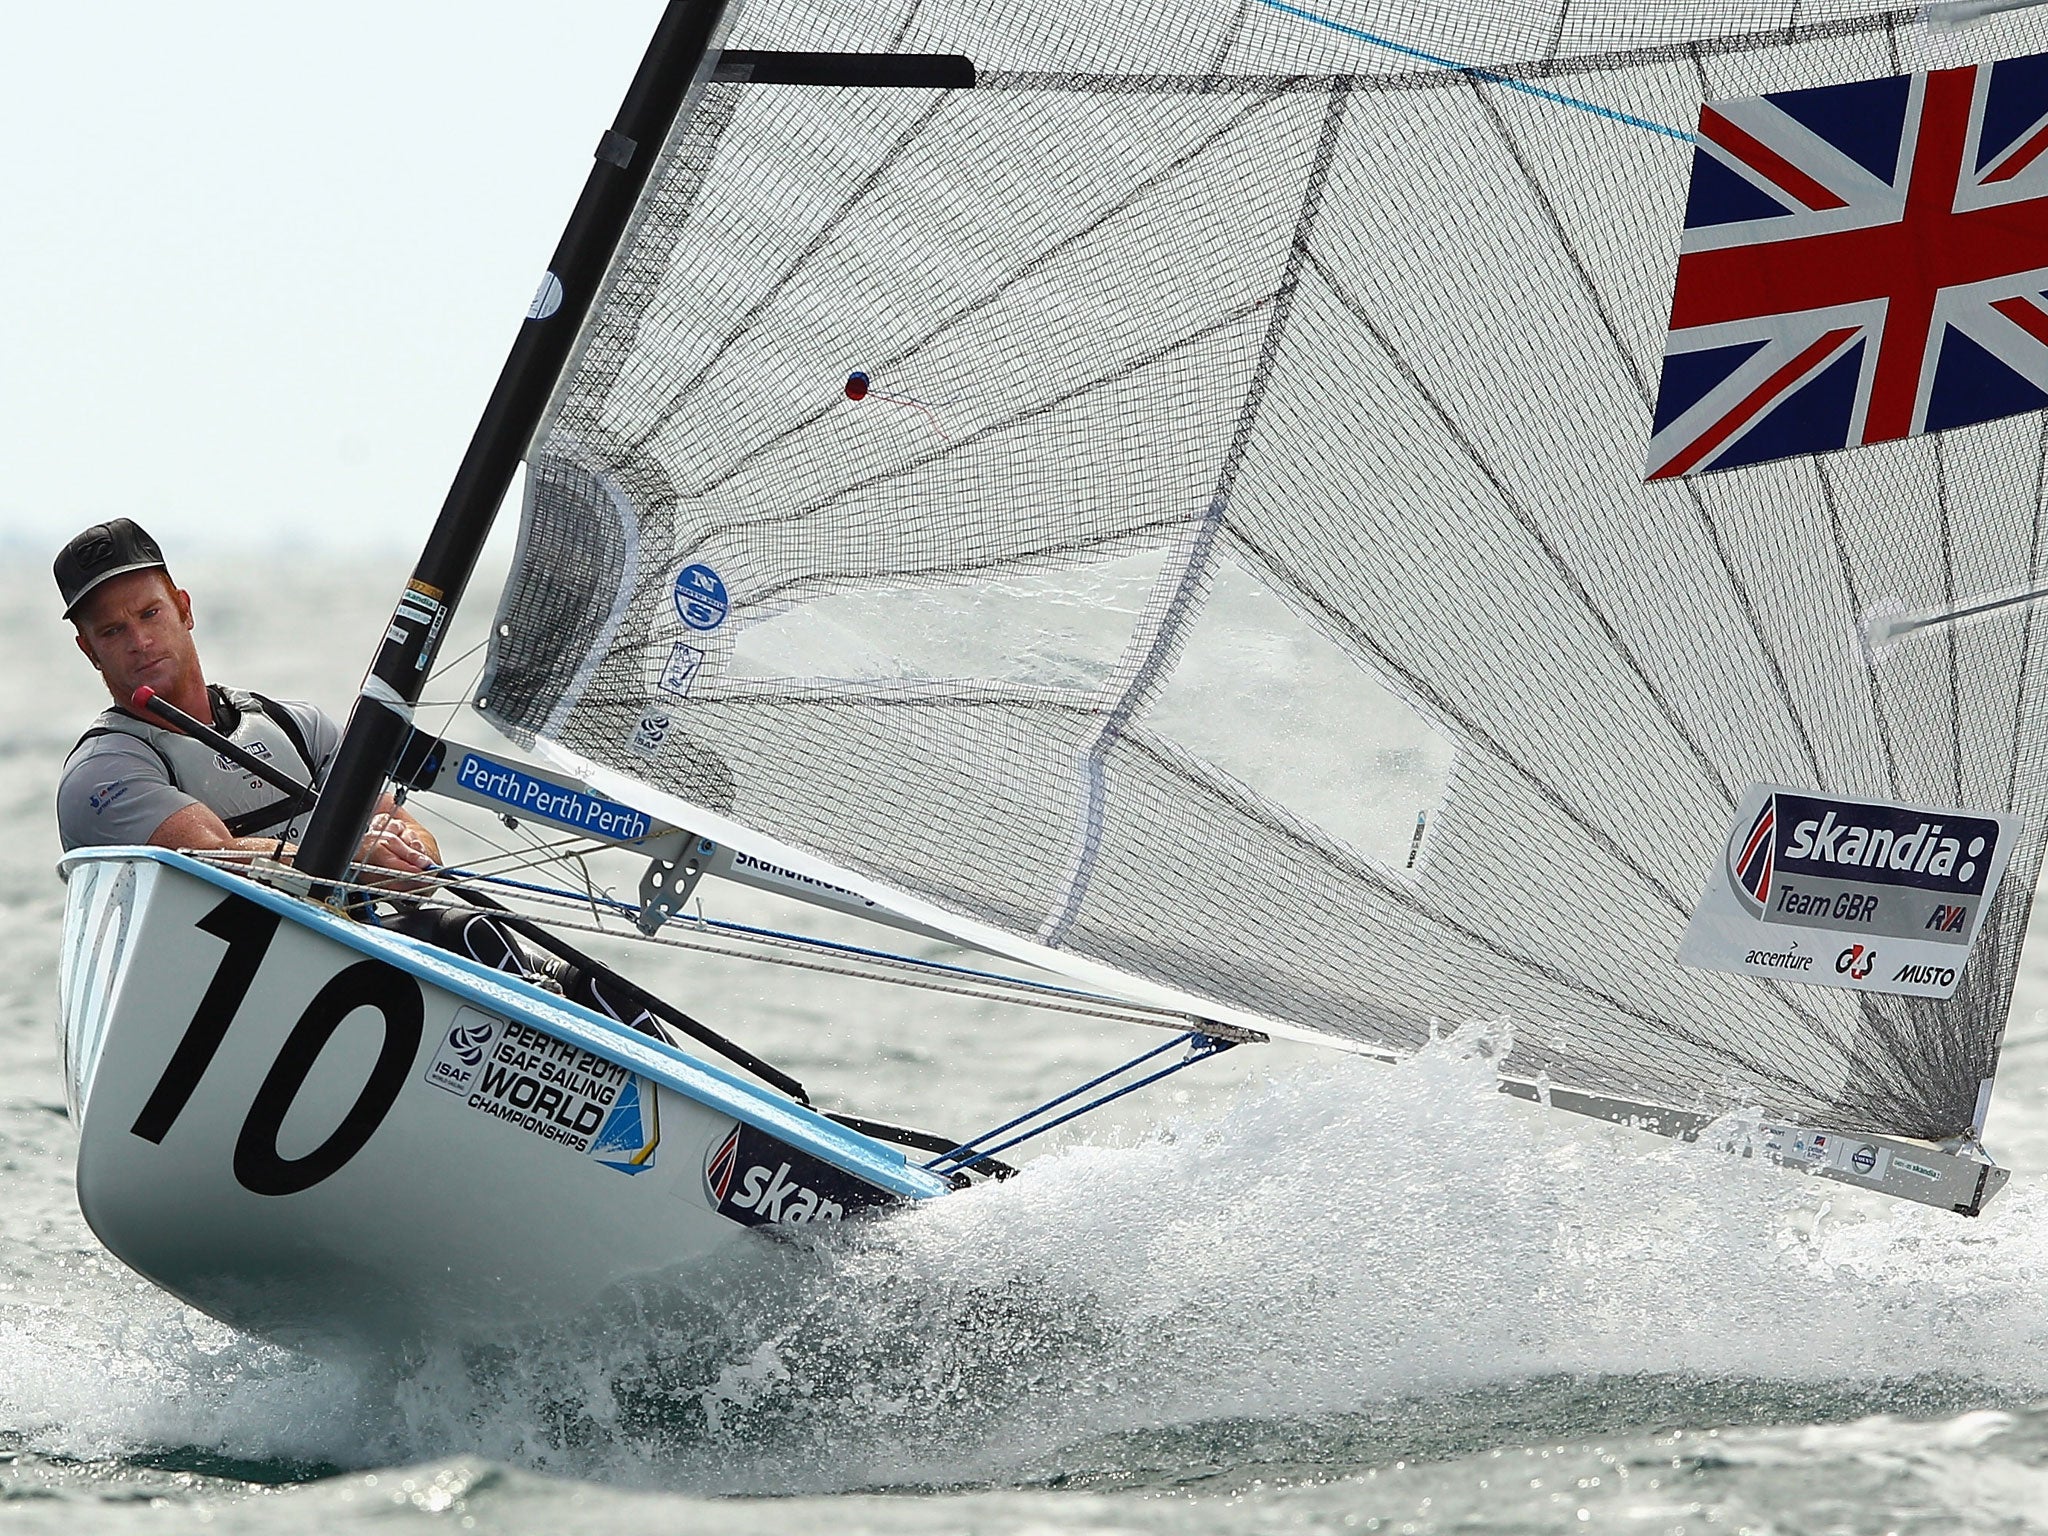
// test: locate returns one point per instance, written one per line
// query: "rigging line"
(454, 706)
(2019, 693)
(439, 672)
(953, 1154)
(1475, 73)
(1199, 1049)
(1879, 713)
(808, 941)
(1008, 281)
(537, 854)
(1185, 599)
(997, 990)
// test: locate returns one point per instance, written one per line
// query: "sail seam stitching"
(1526, 519)
(1029, 269)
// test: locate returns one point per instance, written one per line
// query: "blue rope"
(1480, 74)
(1200, 1048)
(748, 930)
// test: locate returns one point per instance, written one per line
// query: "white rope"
(792, 951)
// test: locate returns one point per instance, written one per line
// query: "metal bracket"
(665, 885)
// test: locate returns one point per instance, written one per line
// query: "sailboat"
(1280, 521)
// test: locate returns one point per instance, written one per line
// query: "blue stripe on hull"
(495, 992)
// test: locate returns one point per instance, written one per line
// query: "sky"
(262, 262)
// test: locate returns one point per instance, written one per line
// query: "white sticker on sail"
(1862, 894)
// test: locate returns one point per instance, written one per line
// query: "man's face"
(137, 629)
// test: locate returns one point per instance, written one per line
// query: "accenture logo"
(1883, 845)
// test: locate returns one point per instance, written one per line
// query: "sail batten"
(1300, 365)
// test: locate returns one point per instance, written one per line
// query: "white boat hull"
(314, 1129)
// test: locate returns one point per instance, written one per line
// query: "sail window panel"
(1189, 880)
(966, 803)
(1013, 249)
(1278, 706)
(1388, 529)
(1059, 628)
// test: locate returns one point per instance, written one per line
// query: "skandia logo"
(1949, 852)
(1749, 858)
(757, 1180)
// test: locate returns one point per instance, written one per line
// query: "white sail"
(1112, 503)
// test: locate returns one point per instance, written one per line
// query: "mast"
(676, 62)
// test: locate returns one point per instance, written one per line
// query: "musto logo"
(1861, 868)
(756, 1180)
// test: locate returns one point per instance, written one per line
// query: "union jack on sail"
(1861, 263)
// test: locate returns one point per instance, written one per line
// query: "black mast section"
(676, 60)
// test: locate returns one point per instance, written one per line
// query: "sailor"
(136, 780)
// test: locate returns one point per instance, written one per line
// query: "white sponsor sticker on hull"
(1861, 894)
(549, 1088)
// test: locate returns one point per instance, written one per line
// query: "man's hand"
(397, 843)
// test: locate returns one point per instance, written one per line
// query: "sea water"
(1286, 1292)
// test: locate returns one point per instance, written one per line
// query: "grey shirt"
(115, 789)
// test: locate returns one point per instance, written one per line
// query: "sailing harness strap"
(209, 779)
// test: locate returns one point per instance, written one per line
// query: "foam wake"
(1340, 1242)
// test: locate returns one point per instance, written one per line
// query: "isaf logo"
(756, 1180)
(460, 1056)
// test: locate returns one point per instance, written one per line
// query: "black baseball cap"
(102, 552)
